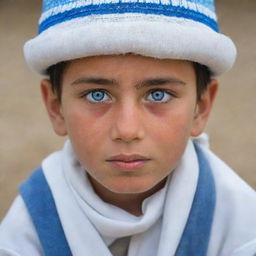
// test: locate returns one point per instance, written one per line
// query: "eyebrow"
(95, 80)
(159, 81)
(144, 83)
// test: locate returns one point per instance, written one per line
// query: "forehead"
(129, 66)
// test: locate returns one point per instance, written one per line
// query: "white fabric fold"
(109, 220)
(233, 231)
(181, 192)
(97, 220)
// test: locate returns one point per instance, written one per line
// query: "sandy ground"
(25, 132)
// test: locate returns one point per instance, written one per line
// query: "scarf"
(96, 224)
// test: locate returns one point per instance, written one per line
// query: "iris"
(157, 95)
(98, 95)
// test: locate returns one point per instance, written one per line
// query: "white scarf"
(91, 225)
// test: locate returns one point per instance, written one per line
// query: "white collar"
(75, 197)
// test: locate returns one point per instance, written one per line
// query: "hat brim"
(169, 38)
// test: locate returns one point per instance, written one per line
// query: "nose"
(127, 124)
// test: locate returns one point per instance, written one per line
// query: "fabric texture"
(195, 238)
(233, 231)
(40, 203)
(71, 29)
(197, 232)
(106, 223)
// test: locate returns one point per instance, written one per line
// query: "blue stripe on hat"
(120, 8)
(209, 4)
(49, 4)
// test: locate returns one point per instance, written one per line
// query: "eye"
(97, 96)
(159, 96)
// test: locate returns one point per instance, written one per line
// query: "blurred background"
(26, 136)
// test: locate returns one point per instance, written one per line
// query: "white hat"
(164, 29)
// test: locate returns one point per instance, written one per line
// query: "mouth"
(128, 162)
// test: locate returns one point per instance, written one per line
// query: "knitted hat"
(165, 29)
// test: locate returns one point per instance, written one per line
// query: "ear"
(203, 108)
(53, 107)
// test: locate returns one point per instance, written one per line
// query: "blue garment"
(39, 201)
(196, 235)
(194, 242)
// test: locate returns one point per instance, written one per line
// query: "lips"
(127, 158)
(128, 162)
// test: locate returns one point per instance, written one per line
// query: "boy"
(130, 83)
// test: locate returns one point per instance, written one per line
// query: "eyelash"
(167, 93)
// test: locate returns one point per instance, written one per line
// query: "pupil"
(158, 95)
(98, 95)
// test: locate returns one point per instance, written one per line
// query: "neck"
(130, 202)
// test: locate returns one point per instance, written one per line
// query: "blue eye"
(97, 96)
(159, 96)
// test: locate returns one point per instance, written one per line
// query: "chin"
(135, 187)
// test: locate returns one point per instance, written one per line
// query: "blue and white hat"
(165, 29)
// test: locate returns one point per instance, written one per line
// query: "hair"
(203, 78)
(56, 72)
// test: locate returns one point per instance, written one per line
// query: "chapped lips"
(128, 158)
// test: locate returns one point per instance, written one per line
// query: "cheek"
(159, 111)
(170, 129)
(171, 121)
(84, 120)
(85, 129)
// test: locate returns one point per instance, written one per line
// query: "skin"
(128, 120)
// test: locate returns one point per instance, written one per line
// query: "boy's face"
(128, 117)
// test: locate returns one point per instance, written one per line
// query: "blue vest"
(194, 241)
